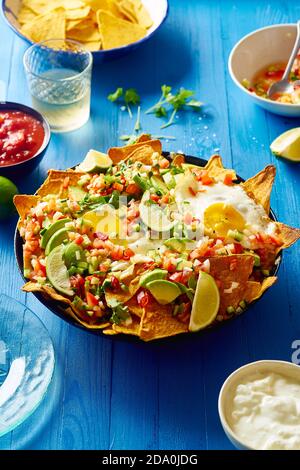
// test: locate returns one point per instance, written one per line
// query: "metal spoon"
(283, 85)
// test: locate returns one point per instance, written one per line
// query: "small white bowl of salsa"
(259, 59)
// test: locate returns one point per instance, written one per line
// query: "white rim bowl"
(259, 49)
(283, 367)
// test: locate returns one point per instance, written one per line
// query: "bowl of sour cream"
(259, 406)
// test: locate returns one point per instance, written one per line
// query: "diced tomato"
(169, 266)
(154, 197)
(148, 266)
(40, 268)
(259, 238)
(118, 187)
(133, 188)
(238, 249)
(117, 253)
(143, 298)
(79, 240)
(165, 199)
(275, 240)
(192, 191)
(164, 163)
(91, 300)
(77, 282)
(115, 284)
(206, 179)
(127, 253)
(228, 179)
(177, 277)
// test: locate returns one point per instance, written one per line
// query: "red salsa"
(21, 136)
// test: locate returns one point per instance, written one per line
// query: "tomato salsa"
(21, 136)
(266, 77)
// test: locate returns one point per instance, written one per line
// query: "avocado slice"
(164, 291)
(56, 239)
(158, 184)
(76, 193)
(73, 254)
(52, 229)
(153, 276)
(175, 244)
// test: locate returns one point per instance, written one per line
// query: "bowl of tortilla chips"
(148, 244)
(108, 28)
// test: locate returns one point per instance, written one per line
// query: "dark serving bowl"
(16, 170)
(59, 309)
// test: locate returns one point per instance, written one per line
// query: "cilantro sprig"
(173, 102)
(129, 97)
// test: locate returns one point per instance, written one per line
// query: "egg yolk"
(221, 217)
(108, 222)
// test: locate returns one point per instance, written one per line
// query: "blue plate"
(158, 10)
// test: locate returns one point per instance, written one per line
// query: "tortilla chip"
(227, 270)
(88, 33)
(134, 307)
(132, 329)
(126, 7)
(158, 322)
(93, 45)
(288, 234)
(178, 160)
(141, 13)
(143, 138)
(259, 187)
(112, 297)
(77, 13)
(24, 203)
(55, 181)
(216, 169)
(142, 154)
(52, 25)
(110, 332)
(26, 15)
(254, 290)
(116, 32)
(121, 153)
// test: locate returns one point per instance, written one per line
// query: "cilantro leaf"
(194, 104)
(160, 111)
(120, 312)
(131, 96)
(116, 95)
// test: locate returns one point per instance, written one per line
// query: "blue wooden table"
(117, 395)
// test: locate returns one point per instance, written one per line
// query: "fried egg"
(220, 207)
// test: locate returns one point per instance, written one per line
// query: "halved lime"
(155, 217)
(287, 145)
(206, 302)
(57, 272)
(7, 191)
(95, 162)
(164, 291)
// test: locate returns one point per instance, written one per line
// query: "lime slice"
(287, 145)
(154, 216)
(59, 224)
(163, 291)
(56, 239)
(7, 191)
(57, 272)
(206, 302)
(95, 162)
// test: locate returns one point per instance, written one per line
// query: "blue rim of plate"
(103, 52)
(58, 310)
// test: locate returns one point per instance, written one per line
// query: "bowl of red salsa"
(24, 138)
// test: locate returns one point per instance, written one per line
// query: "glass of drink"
(59, 73)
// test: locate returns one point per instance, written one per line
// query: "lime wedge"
(95, 162)
(206, 302)
(57, 272)
(154, 216)
(287, 145)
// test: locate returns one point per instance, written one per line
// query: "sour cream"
(263, 410)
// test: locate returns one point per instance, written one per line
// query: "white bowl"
(225, 396)
(158, 11)
(263, 47)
